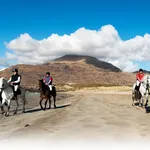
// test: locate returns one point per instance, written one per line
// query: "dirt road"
(86, 115)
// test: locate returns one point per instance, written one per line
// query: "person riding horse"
(48, 80)
(139, 79)
(15, 80)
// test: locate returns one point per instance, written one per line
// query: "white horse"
(7, 95)
(138, 96)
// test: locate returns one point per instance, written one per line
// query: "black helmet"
(15, 70)
(141, 70)
(47, 73)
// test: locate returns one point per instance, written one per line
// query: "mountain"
(145, 71)
(90, 60)
(72, 70)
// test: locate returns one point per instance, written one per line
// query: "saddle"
(137, 87)
(16, 93)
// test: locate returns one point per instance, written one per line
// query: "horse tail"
(54, 90)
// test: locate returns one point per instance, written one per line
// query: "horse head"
(3, 83)
(40, 84)
(148, 80)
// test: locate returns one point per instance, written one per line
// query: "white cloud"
(3, 62)
(1, 69)
(104, 43)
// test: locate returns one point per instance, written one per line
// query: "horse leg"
(140, 104)
(49, 103)
(2, 110)
(147, 96)
(8, 108)
(17, 105)
(24, 102)
(46, 103)
(142, 100)
(41, 103)
(133, 98)
(54, 101)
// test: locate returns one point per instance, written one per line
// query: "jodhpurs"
(50, 87)
(16, 87)
(137, 82)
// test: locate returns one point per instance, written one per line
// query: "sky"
(35, 32)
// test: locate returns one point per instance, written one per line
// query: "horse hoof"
(6, 115)
(15, 113)
(2, 112)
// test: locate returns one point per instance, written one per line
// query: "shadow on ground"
(39, 109)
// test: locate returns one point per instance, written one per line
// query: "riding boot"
(15, 95)
(137, 88)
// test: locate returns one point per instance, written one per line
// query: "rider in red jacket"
(139, 79)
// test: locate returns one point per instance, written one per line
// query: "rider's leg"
(15, 89)
(137, 85)
(50, 87)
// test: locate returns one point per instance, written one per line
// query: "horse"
(46, 94)
(138, 96)
(7, 95)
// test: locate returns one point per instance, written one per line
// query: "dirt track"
(85, 115)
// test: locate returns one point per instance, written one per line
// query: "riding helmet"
(15, 70)
(141, 70)
(47, 73)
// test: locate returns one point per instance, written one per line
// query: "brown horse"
(46, 94)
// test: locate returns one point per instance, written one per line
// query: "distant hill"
(74, 70)
(90, 60)
(145, 71)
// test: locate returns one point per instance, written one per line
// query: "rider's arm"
(50, 80)
(17, 80)
(9, 80)
(137, 77)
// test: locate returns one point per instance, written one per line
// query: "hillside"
(145, 71)
(90, 60)
(77, 72)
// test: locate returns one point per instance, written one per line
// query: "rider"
(15, 80)
(139, 79)
(48, 80)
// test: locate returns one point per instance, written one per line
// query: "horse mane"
(43, 84)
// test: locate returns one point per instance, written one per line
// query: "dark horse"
(46, 94)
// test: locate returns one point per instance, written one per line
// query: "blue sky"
(42, 18)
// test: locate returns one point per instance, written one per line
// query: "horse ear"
(2, 78)
(40, 79)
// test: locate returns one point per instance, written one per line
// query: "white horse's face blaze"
(1, 83)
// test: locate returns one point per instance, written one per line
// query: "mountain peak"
(91, 61)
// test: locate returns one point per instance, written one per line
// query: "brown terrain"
(73, 70)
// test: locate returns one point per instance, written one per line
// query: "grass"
(65, 88)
